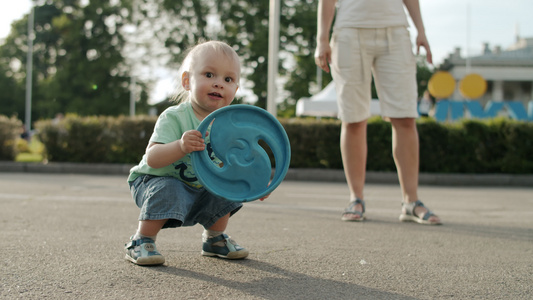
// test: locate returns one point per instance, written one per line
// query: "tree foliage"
(85, 52)
(77, 59)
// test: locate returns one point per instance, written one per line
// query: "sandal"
(143, 252)
(223, 246)
(350, 212)
(408, 214)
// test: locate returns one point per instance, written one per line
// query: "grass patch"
(30, 151)
(29, 157)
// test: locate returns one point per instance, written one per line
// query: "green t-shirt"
(170, 126)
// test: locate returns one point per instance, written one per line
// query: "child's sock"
(210, 234)
(138, 235)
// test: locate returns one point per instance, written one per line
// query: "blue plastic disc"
(245, 174)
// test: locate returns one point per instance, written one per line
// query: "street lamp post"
(273, 50)
(29, 70)
(133, 95)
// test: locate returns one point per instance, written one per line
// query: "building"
(509, 72)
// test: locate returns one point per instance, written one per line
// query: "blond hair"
(194, 54)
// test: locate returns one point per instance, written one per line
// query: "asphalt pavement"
(62, 236)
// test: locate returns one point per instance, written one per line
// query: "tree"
(300, 37)
(246, 25)
(12, 96)
(78, 64)
(88, 72)
(12, 73)
(160, 32)
(86, 51)
(423, 74)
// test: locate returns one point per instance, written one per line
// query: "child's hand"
(192, 141)
(261, 199)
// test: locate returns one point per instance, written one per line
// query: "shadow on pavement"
(284, 284)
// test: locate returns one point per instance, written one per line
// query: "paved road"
(62, 237)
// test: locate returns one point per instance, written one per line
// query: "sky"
(449, 23)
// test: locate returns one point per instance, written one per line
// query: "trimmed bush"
(379, 143)
(10, 130)
(75, 139)
(131, 138)
(471, 146)
(314, 143)
(96, 139)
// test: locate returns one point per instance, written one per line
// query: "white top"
(370, 13)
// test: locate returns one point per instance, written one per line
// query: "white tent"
(324, 104)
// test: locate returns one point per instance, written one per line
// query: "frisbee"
(234, 134)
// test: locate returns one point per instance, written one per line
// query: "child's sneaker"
(223, 246)
(143, 252)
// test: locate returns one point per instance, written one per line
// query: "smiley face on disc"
(239, 136)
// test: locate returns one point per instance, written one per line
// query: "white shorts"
(385, 53)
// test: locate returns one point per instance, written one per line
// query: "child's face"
(212, 81)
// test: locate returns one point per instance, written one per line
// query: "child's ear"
(185, 80)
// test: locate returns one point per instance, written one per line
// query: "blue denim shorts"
(170, 198)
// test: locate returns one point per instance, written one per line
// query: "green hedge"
(96, 139)
(10, 130)
(470, 146)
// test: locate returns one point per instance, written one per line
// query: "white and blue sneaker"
(223, 246)
(143, 252)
